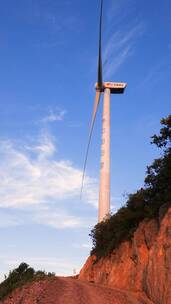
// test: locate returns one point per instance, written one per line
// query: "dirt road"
(71, 291)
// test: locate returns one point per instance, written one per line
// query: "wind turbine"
(107, 88)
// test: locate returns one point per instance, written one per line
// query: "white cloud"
(45, 146)
(32, 179)
(54, 116)
(59, 219)
(25, 181)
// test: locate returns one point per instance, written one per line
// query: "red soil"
(71, 291)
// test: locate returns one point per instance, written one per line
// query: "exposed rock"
(142, 265)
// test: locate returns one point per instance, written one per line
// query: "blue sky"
(48, 60)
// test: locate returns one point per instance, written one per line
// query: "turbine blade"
(100, 71)
(95, 108)
(98, 94)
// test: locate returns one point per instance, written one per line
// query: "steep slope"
(71, 291)
(141, 265)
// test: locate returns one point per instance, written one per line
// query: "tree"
(164, 139)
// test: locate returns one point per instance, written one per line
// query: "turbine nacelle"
(115, 87)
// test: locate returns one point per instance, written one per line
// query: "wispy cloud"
(119, 47)
(32, 179)
(54, 116)
(60, 219)
(43, 147)
(121, 35)
(121, 38)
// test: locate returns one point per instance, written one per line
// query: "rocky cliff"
(141, 265)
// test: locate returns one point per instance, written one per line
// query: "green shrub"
(19, 277)
(145, 203)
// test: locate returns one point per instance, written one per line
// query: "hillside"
(140, 265)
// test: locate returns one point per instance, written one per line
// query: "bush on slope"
(19, 277)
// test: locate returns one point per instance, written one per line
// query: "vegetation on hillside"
(145, 203)
(19, 277)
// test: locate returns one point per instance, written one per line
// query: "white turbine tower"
(107, 88)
